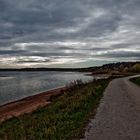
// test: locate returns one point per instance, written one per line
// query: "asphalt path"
(118, 115)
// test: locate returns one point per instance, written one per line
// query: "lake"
(17, 85)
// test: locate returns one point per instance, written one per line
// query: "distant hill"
(118, 67)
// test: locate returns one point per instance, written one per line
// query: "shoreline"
(28, 104)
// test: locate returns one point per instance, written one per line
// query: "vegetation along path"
(118, 116)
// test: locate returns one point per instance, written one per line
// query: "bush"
(135, 68)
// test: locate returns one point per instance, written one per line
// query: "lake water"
(17, 85)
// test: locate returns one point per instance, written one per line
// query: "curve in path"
(118, 115)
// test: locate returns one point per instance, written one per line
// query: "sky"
(68, 33)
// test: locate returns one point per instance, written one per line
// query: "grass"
(136, 80)
(64, 119)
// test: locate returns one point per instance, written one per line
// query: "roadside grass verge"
(136, 80)
(64, 119)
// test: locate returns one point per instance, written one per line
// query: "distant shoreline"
(49, 69)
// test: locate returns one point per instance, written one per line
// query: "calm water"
(17, 85)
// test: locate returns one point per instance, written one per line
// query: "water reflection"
(16, 85)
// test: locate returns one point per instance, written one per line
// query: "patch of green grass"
(64, 119)
(136, 80)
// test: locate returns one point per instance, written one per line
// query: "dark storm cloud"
(11, 52)
(64, 31)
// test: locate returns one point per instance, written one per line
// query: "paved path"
(118, 116)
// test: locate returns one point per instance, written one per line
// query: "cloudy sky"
(68, 33)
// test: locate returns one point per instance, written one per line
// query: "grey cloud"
(12, 52)
(103, 26)
(120, 54)
(124, 54)
(33, 61)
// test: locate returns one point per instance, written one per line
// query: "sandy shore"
(28, 104)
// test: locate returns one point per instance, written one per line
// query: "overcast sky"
(68, 33)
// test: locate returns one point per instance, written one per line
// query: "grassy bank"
(136, 80)
(64, 119)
